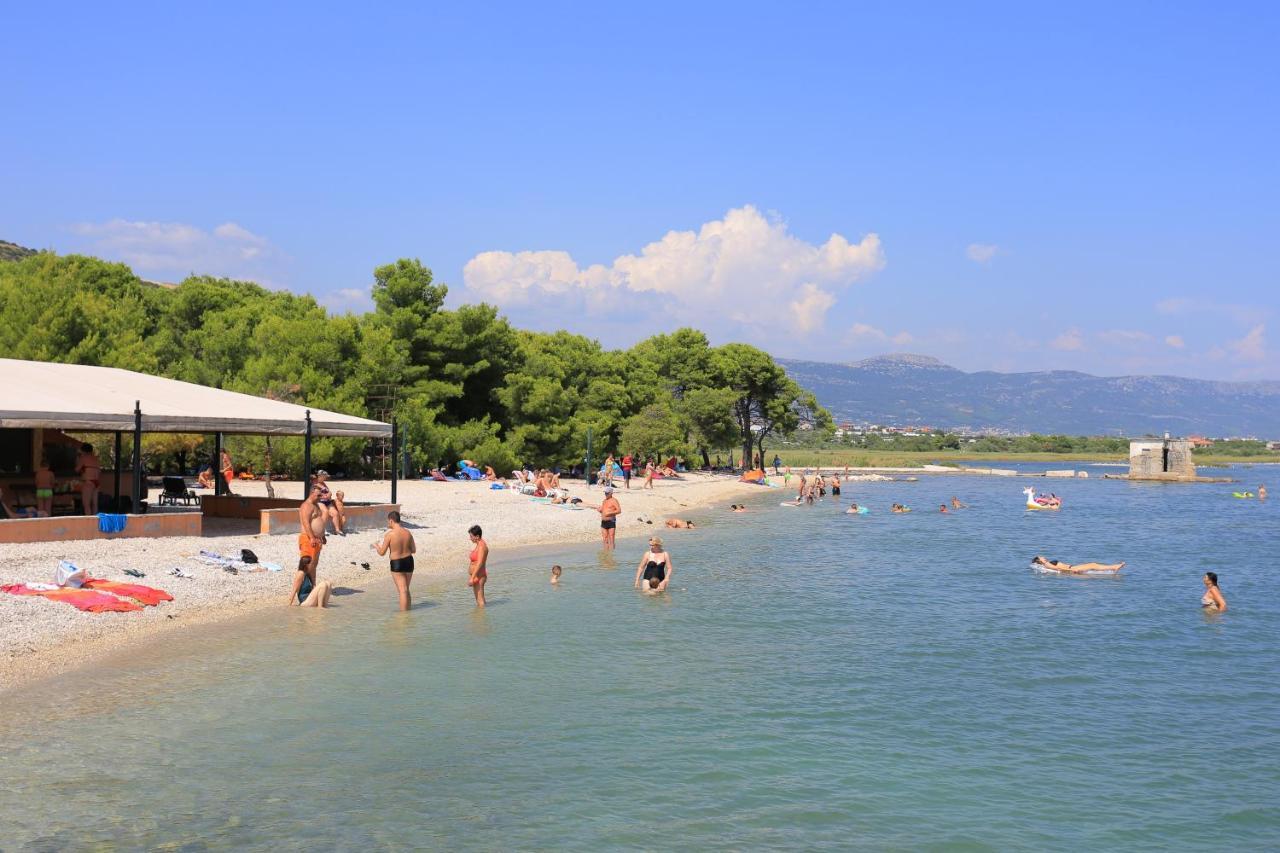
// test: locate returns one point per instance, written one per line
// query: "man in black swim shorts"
(609, 510)
(399, 543)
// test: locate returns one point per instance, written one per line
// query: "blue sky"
(1010, 186)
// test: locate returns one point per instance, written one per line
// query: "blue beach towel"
(111, 522)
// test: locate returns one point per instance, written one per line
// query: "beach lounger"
(175, 490)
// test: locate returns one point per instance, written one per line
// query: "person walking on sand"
(777, 461)
(609, 510)
(89, 467)
(307, 591)
(626, 470)
(655, 569)
(648, 474)
(479, 558)
(399, 543)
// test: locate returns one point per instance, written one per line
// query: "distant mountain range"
(916, 390)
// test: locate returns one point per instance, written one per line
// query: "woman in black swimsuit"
(655, 568)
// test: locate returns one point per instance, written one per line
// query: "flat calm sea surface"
(812, 680)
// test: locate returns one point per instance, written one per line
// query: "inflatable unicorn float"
(1035, 501)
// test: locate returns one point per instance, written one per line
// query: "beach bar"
(41, 401)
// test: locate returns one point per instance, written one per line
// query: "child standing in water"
(555, 574)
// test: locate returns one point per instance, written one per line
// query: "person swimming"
(555, 574)
(1212, 599)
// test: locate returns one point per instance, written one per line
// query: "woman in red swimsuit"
(479, 564)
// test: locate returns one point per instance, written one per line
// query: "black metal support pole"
(587, 473)
(218, 482)
(137, 456)
(306, 459)
(118, 460)
(395, 457)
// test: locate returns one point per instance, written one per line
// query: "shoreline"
(42, 639)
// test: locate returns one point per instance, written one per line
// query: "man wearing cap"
(609, 510)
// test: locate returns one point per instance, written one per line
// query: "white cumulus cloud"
(981, 253)
(1068, 341)
(173, 250)
(745, 266)
(1252, 347)
(864, 333)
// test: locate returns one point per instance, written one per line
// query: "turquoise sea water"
(813, 680)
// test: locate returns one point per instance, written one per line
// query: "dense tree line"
(462, 383)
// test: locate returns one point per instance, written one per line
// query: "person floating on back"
(399, 543)
(1076, 568)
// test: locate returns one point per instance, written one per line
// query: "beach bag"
(68, 574)
(247, 556)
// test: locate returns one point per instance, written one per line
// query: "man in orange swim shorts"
(310, 542)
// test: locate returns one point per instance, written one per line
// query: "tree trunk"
(706, 460)
(266, 475)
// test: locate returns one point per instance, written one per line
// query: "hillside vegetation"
(462, 383)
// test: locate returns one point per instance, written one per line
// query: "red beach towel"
(143, 594)
(80, 599)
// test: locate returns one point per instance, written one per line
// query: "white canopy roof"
(101, 399)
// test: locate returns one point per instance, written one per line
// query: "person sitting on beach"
(399, 543)
(655, 567)
(7, 512)
(555, 575)
(679, 524)
(956, 504)
(90, 470)
(340, 506)
(45, 483)
(478, 573)
(328, 510)
(205, 477)
(490, 474)
(1075, 568)
(1212, 600)
(307, 591)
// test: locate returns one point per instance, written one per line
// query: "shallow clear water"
(813, 680)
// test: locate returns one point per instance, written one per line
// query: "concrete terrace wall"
(64, 527)
(359, 517)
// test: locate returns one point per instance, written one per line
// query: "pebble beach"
(40, 638)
